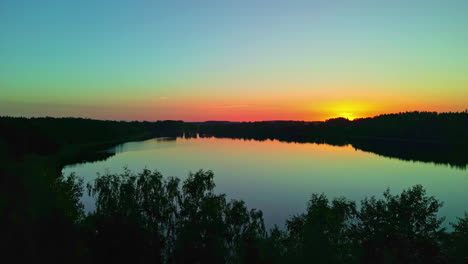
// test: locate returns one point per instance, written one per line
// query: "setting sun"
(349, 116)
(349, 110)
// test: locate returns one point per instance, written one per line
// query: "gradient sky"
(232, 60)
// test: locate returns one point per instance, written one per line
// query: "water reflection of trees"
(440, 138)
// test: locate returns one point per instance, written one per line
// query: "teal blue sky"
(169, 59)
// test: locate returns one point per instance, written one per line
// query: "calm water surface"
(279, 177)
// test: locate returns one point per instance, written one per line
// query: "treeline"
(441, 138)
(408, 126)
(49, 136)
(72, 140)
(430, 126)
(146, 218)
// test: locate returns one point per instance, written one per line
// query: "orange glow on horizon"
(248, 109)
(348, 109)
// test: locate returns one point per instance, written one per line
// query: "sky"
(244, 60)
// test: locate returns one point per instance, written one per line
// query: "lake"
(279, 177)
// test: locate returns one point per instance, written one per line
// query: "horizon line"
(244, 121)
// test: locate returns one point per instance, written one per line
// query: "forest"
(425, 127)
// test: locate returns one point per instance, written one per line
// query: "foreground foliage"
(146, 218)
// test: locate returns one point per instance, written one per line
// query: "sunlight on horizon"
(349, 116)
(350, 110)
